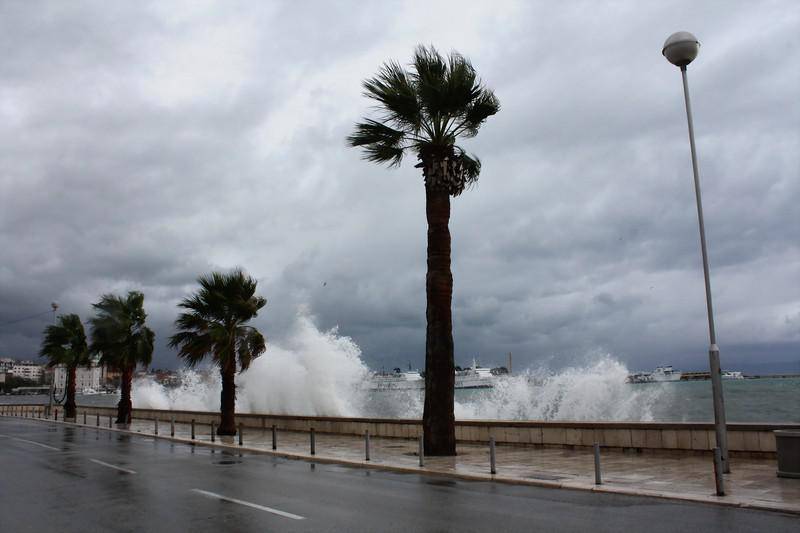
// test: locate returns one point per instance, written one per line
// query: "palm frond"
(470, 165)
(482, 107)
(382, 144)
(394, 90)
(251, 345)
(461, 85)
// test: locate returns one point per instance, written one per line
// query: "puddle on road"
(545, 477)
(441, 482)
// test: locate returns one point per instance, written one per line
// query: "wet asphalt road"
(69, 479)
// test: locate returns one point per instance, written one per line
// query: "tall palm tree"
(425, 110)
(215, 324)
(122, 339)
(64, 344)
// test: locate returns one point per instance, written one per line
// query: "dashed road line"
(115, 467)
(37, 444)
(249, 504)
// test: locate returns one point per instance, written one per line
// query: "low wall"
(679, 437)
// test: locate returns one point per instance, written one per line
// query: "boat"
(397, 380)
(732, 374)
(659, 375)
(475, 377)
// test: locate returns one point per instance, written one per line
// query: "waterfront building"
(27, 370)
(87, 378)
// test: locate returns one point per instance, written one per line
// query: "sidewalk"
(752, 482)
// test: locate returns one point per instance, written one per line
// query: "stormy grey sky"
(142, 144)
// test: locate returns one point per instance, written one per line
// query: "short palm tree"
(121, 338)
(214, 324)
(64, 344)
(424, 111)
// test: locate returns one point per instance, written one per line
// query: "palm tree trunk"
(125, 407)
(70, 408)
(227, 425)
(438, 419)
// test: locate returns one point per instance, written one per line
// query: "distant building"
(27, 370)
(87, 378)
(6, 364)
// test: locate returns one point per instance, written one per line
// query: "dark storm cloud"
(142, 145)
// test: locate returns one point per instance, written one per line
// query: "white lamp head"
(681, 48)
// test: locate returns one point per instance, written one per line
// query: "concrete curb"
(724, 501)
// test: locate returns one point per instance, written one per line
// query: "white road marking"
(248, 504)
(37, 444)
(101, 463)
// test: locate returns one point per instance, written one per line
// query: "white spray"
(321, 373)
(595, 391)
(314, 373)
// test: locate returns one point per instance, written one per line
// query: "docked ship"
(397, 380)
(659, 375)
(474, 377)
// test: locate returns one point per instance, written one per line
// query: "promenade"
(752, 483)
(64, 478)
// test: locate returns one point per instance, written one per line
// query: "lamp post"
(680, 49)
(54, 305)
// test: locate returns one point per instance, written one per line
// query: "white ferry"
(660, 374)
(397, 380)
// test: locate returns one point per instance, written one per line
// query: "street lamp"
(680, 49)
(54, 306)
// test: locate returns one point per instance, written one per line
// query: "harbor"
(594, 392)
(667, 373)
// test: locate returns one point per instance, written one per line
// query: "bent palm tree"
(123, 341)
(64, 344)
(214, 325)
(425, 110)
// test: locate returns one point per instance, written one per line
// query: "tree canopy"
(214, 323)
(64, 343)
(425, 109)
(119, 333)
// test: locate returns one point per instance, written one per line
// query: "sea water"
(322, 373)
